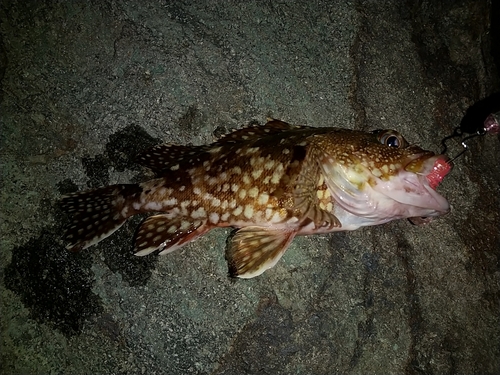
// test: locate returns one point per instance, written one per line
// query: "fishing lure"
(486, 114)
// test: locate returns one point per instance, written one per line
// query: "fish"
(271, 182)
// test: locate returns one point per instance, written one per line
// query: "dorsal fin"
(163, 158)
(256, 132)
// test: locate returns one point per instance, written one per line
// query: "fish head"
(378, 176)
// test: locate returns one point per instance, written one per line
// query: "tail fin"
(96, 214)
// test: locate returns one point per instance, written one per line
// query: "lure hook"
(491, 126)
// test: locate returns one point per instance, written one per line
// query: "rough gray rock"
(86, 85)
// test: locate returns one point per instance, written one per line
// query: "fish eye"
(392, 140)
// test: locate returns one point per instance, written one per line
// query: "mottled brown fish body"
(274, 182)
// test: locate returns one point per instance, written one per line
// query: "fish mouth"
(433, 169)
(409, 193)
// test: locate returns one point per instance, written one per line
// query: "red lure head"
(439, 171)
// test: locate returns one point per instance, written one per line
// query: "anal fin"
(158, 232)
(254, 250)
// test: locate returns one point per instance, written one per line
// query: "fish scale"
(273, 182)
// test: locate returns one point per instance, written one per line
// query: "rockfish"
(273, 182)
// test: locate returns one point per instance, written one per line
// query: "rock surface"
(86, 85)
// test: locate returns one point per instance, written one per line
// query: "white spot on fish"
(199, 213)
(321, 180)
(151, 206)
(237, 211)
(251, 150)
(242, 193)
(171, 201)
(275, 178)
(256, 173)
(276, 218)
(175, 167)
(248, 213)
(253, 192)
(215, 150)
(246, 179)
(269, 164)
(263, 198)
(214, 217)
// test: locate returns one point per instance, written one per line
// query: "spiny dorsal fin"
(254, 250)
(158, 232)
(163, 158)
(257, 131)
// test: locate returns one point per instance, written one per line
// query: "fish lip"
(420, 220)
(434, 167)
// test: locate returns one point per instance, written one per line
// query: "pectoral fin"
(305, 194)
(254, 250)
(158, 232)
